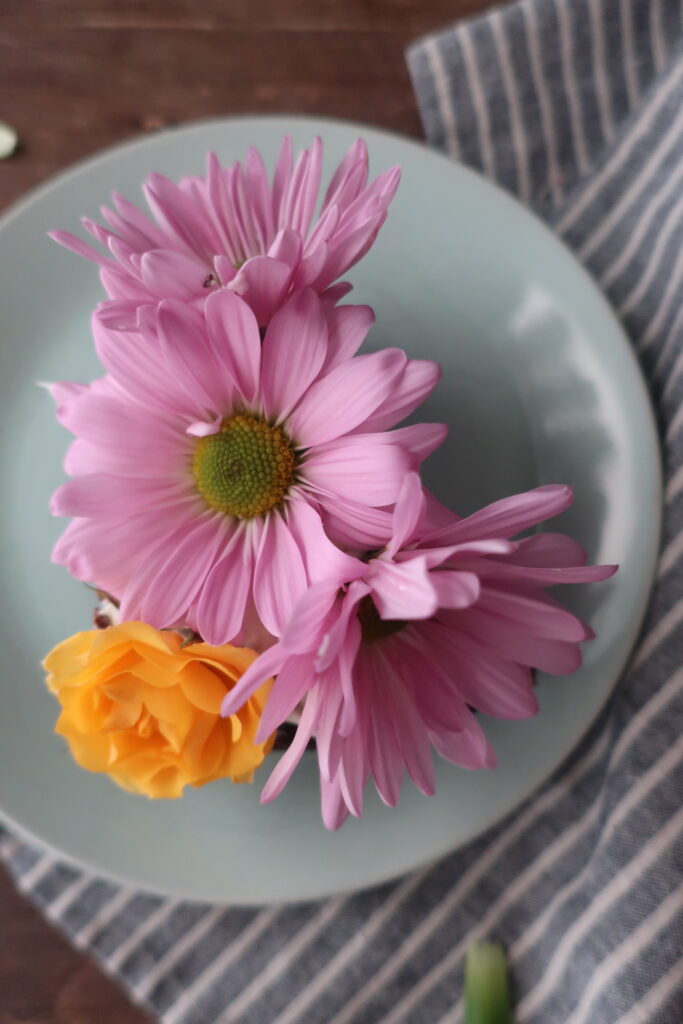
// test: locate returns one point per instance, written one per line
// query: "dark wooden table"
(77, 75)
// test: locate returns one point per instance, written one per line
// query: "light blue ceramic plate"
(539, 386)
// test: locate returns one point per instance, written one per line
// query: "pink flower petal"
(311, 266)
(236, 341)
(350, 177)
(371, 202)
(352, 773)
(372, 474)
(386, 762)
(221, 605)
(109, 240)
(291, 200)
(348, 327)
(329, 744)
(315, 249)
(200, 428)
(77, 245)
(286, 248)
(294, 349)
(534, 615)
(82, 458)
(62, 392)
(224, 270)
(433, 557)
(129, 541)
(337, 635)
(281, 178)
(311, 619)
(560, 657)
(403, 591)
(419, 379)
(494, 685)
(323, 559)
(291, 685)
(413, 739)
(136, 219)
(258, 194)
(335, 663)
(138, 366)
(144, 571)
(303, 188)
(549, 550)
(307, 191)
(280, 576)
(461, 552)
(118, 315)
(266, 665)
(98, 494)
(191, 231)
(282, 772)
(263, 283)
(456, 589)
(419, 440)
(244, 228)
(508, 516)
(347, 248)
(173, 275)
(121, 285)
(356, 526)
(124, 461)
(137, 240)
(182, 576)
(505, 571)
(409, 512)
(439, 705)
(467, 748)
(346, 663)
(332, 806)
(190, 359)
(335, 293)
(437, 515)
(111, 423)
(346, 397)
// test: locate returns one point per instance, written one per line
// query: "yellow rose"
(139, 706)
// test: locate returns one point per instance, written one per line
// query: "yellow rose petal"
(121, 717)
(145, 709)
(202, 687)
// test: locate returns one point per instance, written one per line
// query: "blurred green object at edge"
(487, 995)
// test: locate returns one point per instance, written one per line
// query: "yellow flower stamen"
(246, 468)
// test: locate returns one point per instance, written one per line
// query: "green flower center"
(372, 627)
(246, 468)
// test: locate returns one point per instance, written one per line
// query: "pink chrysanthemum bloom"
(210, 467)
(234, 228)
(390, 665)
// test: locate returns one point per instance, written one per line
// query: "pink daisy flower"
(234, 228)
(210, 467)
(391, 664)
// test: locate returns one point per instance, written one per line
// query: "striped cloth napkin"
(576, 106)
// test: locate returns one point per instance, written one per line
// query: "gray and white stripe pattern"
(577, 106)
